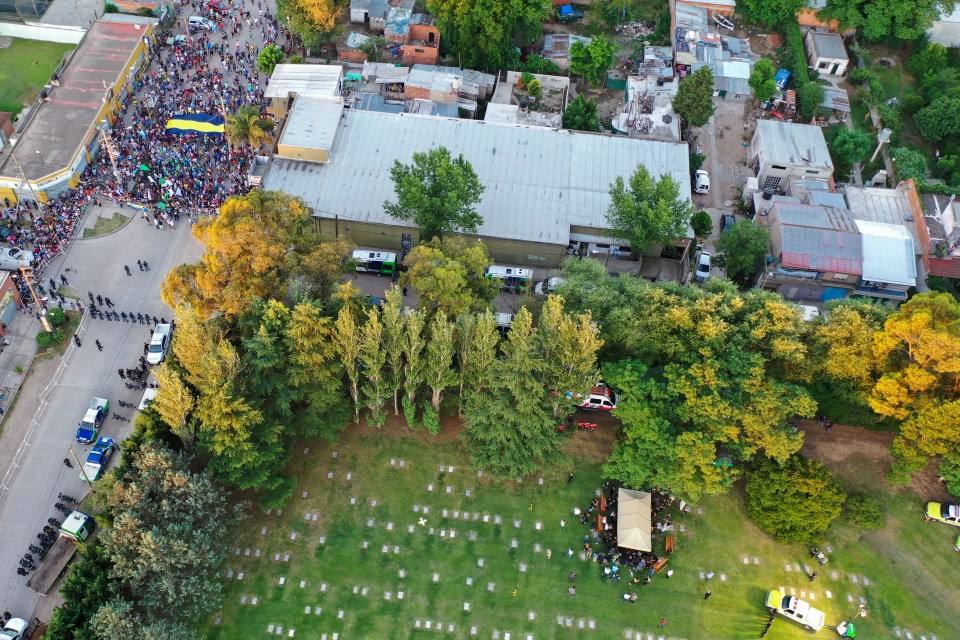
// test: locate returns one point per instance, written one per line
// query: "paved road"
(96, 265)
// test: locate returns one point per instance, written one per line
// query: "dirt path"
(842, 444)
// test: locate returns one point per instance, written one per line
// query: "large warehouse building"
(546, 189)
(59, 136)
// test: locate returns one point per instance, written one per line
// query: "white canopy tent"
(633, 519)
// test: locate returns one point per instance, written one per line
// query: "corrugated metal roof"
(691, 17)
(818, 238)
(889, 206)
(887, 253)
(538, 181)
(312, 123)
(799, 145)
(826, 199)
(313, 80)
(557, 45)
(836, 99)
(829, 45)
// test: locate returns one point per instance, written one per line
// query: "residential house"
(350, 51)
(942, 221)
(697, 43)
(289, 81)
(648, 111)
(373, 13)
(826, 52)
(781, 150)
(422, 45)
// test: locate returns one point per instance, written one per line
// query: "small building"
(510, 105)
(289, 81)
(372, 13)
(648, 111)
(556, 47)
(817, 253)
(10, 301)
(783, 150)
(826, 53)
(309, 130)
(942, 221)
(889, 264)
(350, 50)
(422, 45)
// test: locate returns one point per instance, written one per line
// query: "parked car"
(93, 418)
(15, 629)
(945, 513)
(548, 286)
(215, 5)
(159, 343)
(701, 182)
(600, 398)
(704, 262)
(197, 23)
(727, 220)
(795, 609)
(566, 13)
(97, 460)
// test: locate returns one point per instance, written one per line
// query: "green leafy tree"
(882, 19)
(909, 163)
(484, 33)
(270, 56)
(347, 337)
(694, 99)
(374, 48)
(171, 530)
(535, 89)
(394, 324)
(809, 96)
(437, 370)
(567, 346)
(436, 193)
(852, 147)
(940, 119)
(247, 125)
(449, 275)
(647, 211)
(770, 14)
(741, 250)
(373, 360)
(476, 338)
(949, 470)
(863, 512)
(582, 114)
(118, 619)
(795, 501)
(85, 588)
(702, 224)
(509, 430)
(413, 344)
(762, 78)
(591, 61)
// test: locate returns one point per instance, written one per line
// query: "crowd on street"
(163, 175)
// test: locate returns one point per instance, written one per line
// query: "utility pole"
(107, 143)
(27, 274)
(82, 471)
(24, 177)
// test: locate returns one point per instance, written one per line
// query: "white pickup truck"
(795, 609)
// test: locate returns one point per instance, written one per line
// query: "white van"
(159, 344)
(12, 258)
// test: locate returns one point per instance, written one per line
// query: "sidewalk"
(22, 333)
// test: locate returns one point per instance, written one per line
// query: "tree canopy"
(646, 211)
(582, 114)
(794, 501)
(437, 193)
(247, 125)
(694, 99)
(762, 78)
(940, 119)
(483, 33)
(257, 244)
(449, 275)
(741, 250)
(768, 13)
(882, 19)
(270, 56)
(591, 61)
(852, 146)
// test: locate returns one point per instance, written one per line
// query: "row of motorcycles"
(46, 537)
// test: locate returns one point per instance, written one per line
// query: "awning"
(633, 519)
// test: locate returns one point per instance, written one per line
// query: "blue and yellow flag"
(204, 124)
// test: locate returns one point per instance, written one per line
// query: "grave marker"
(282, 581)
(303, 495)
(469, 581)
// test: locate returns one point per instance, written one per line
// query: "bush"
(863, 75)
(409, 412)
(702, 224)
(950, 472)
(146, 12)
(296, 59)
(696, 161)
(49, 338)
(111, 8)
(431, 419)
(56, 316)
(863, 512)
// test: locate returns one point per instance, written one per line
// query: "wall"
(415, 54)
(351, 55)
(303, 153)
(555, 83)
(45, 32)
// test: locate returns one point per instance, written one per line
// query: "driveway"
(95, 265)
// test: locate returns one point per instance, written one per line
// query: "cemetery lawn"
(910, 567)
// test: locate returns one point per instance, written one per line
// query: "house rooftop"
(312, 123)
(539, 182)
(829, 45)
(799, 145)
(887, 206)
(818, 238)
(312, 80)
(887, 253)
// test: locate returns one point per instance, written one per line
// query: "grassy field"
(24, 68)
(337, 564)
(104, 226)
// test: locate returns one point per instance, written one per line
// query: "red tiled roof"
(945, 267)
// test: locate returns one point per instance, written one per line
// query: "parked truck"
(97, 460)
(76, 528)
(97, 411)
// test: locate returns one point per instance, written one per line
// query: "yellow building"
(59, 139)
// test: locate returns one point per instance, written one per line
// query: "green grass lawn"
(25, 67)
(104, 226)
(910, 568)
